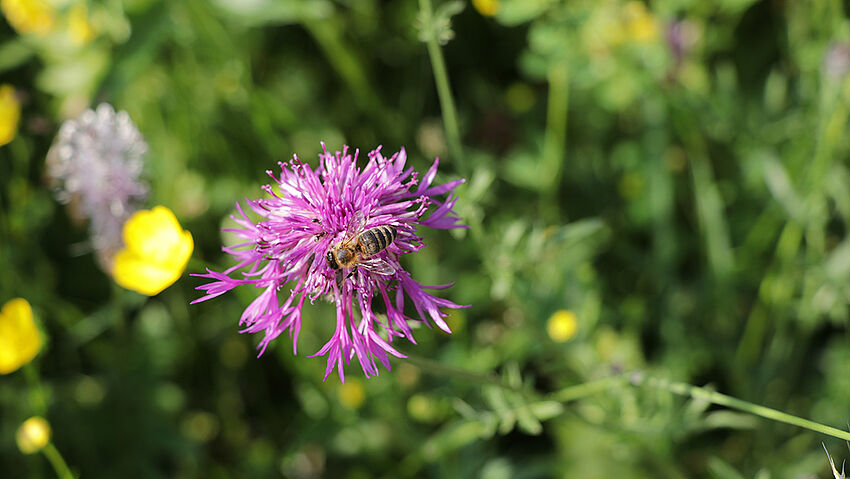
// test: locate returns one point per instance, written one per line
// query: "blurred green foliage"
(674, 172)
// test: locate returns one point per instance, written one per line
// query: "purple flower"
(95, 164)
(318, 210)
(682, 37)
(836, 61)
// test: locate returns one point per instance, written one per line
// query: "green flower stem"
(582, 390)
(343, 60)
(37, 397)
(637, 379)
(752, 340)
(59, 465)
(441, 78)
(707, 197)
(683, 389)
(833, 120)
(555, 136)
(439, 369)
(118, 308)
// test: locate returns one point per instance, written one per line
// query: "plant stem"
(555, 136)
(571, 393)
(752, 339)
(342, 58)
(439, 369)
(59, 465)
(638, 379)
(441, 78)
(118, 309)
(683, 389)
(833, 117)
(37, 399)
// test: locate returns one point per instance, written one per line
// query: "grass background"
(686, 197)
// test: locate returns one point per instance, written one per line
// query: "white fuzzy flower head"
(95, 163)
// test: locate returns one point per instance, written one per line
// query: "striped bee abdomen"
(374, 240)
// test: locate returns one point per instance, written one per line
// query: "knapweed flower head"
(316, 211)
(95, 163)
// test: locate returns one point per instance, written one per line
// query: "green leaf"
(515, 12)
(720, 469)
(14, 53)
(527, 422)
(781, 187)
(544, 410)
(452, 437)
(494, 396)
(254, 13)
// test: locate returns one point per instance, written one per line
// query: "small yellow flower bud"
(33, 435)
(351, 394)
(562, 326)
(80, 29)
(640, 25)
(488, 8)
(19, 337)
(10, 114)
(156, 250)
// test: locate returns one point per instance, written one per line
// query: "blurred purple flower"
(95, 163)
(836, 61)
(316, 210)
(682, 36)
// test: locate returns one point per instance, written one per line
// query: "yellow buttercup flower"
(156, 250)
(10, 114)
(80, 29)
(29, 16)
(33, 435)
(19, 337)
(562, 326)
(488, 8)
(640, 25)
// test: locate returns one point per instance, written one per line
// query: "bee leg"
(353, 270)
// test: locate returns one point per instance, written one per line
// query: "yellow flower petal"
(488, 8)
(640, 24)
(29, 16)
(156, 250)
(138, 274)
(33, 435)
(562, 326)
(153, 234)
(19, 337)
(80, 29)
(10, 114)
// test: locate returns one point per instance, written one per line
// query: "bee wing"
(377, 266)
(356, 225)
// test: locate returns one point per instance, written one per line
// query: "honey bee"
(359, 248)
